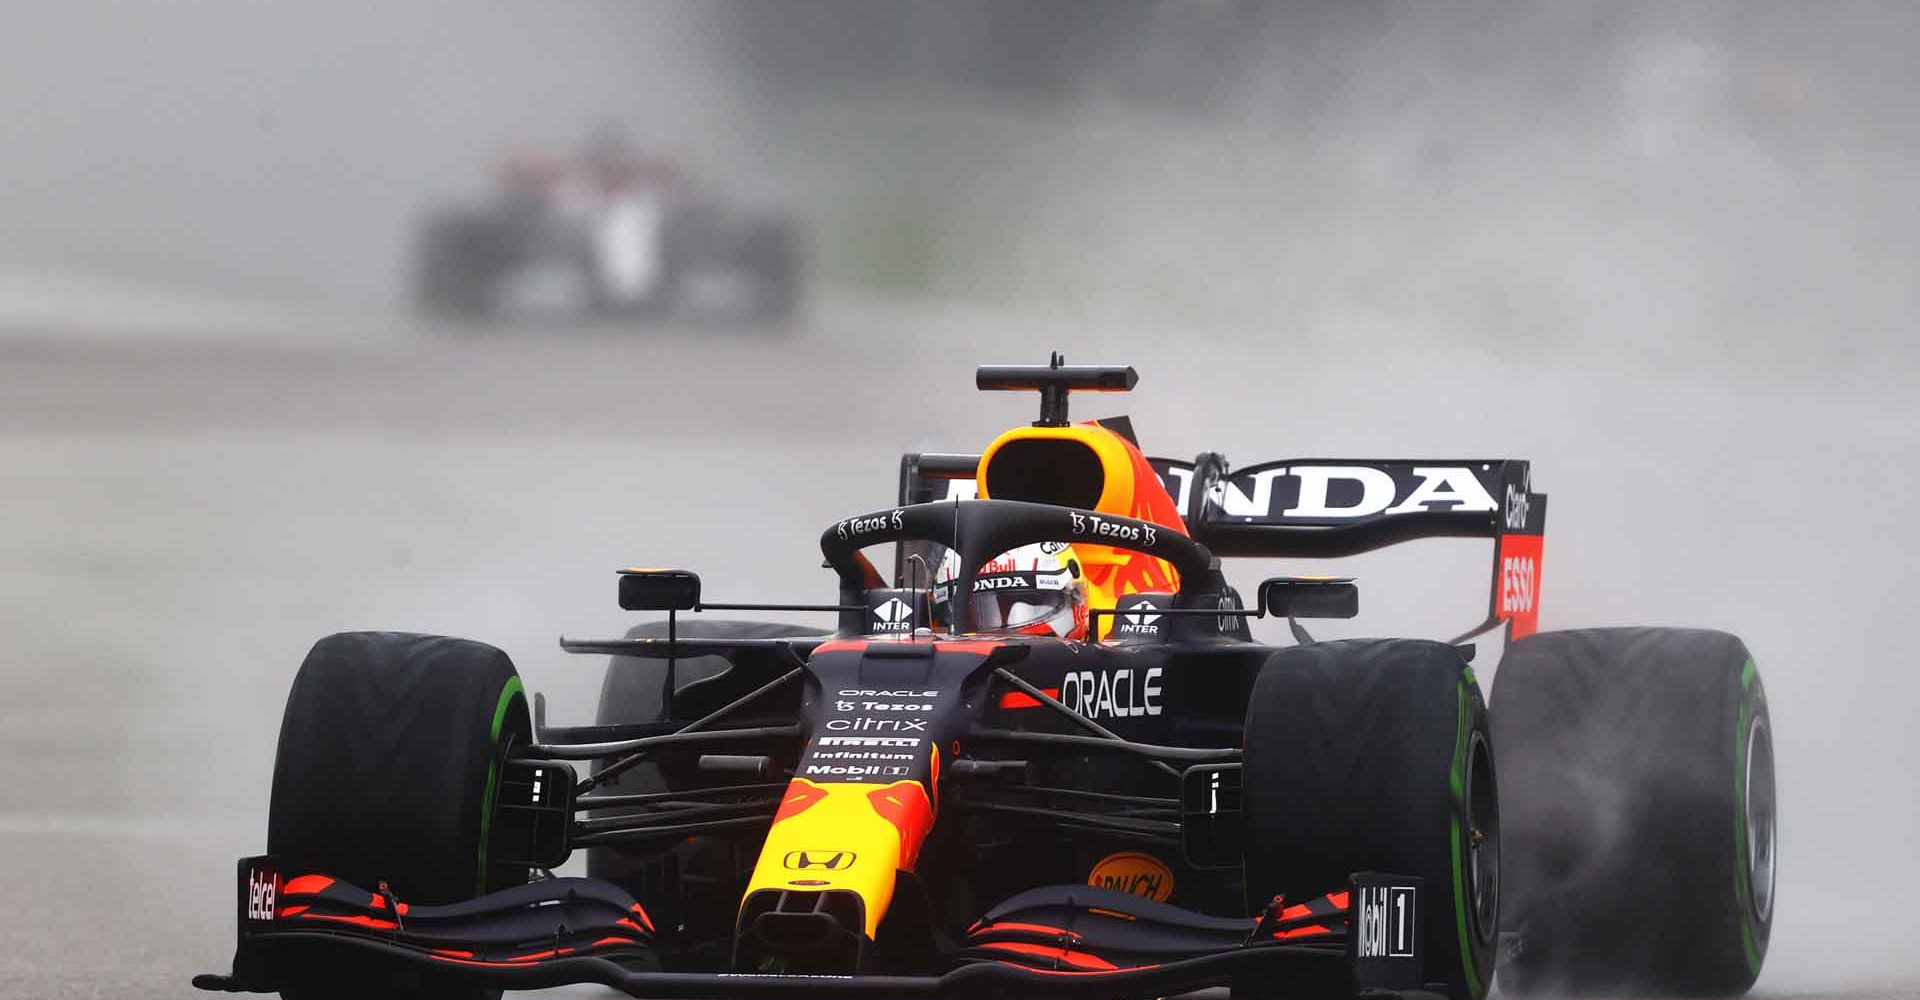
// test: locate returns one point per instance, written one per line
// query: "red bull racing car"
(1040, 753)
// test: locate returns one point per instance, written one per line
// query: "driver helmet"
(1032, 590)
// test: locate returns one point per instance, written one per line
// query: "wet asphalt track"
(178, 522)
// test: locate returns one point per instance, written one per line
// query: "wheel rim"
(1483, 840)
(1762, 861)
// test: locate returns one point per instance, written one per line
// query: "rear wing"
(1324, 508)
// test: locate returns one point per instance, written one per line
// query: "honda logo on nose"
(832, 861)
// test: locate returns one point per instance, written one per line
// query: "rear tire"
(1638, 770)
(1374, 755)
(634, 688)
(458, 262)
(389, 759)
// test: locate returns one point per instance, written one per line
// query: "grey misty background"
(1727, 176)
(1666, 251)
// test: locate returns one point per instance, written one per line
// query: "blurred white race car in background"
(609, 234)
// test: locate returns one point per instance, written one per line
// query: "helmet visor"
(1016, 601)
(1019, 610)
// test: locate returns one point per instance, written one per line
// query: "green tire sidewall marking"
(1742, 888)
(1457, 781)
(508, 692)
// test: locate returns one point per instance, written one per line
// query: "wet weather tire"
(389, 759)
(1373, 755)
(1636, 766)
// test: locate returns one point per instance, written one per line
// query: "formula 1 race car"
(606, 234)
(1073, 774)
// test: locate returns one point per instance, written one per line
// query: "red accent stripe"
(1310, 930)
(380, 903)
(373, 922)
(980, 646)
(1086, 962)
(1035, 928)
(1021, 699)
(538, 955)
(307, 885)
(646, 922)
(450, 960)
(1338, 899)
(801, 796)
(293, 911)
(1077, 972)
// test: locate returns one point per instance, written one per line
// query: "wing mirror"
(1310, 597)
(659, 590)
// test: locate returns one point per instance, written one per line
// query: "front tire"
(459, 260)
(389, 761)
(1638, 766)
(1374, 755)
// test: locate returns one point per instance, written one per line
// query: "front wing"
(1071, 941)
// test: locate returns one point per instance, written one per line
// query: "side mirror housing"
(659, 590)
(1310, 597)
